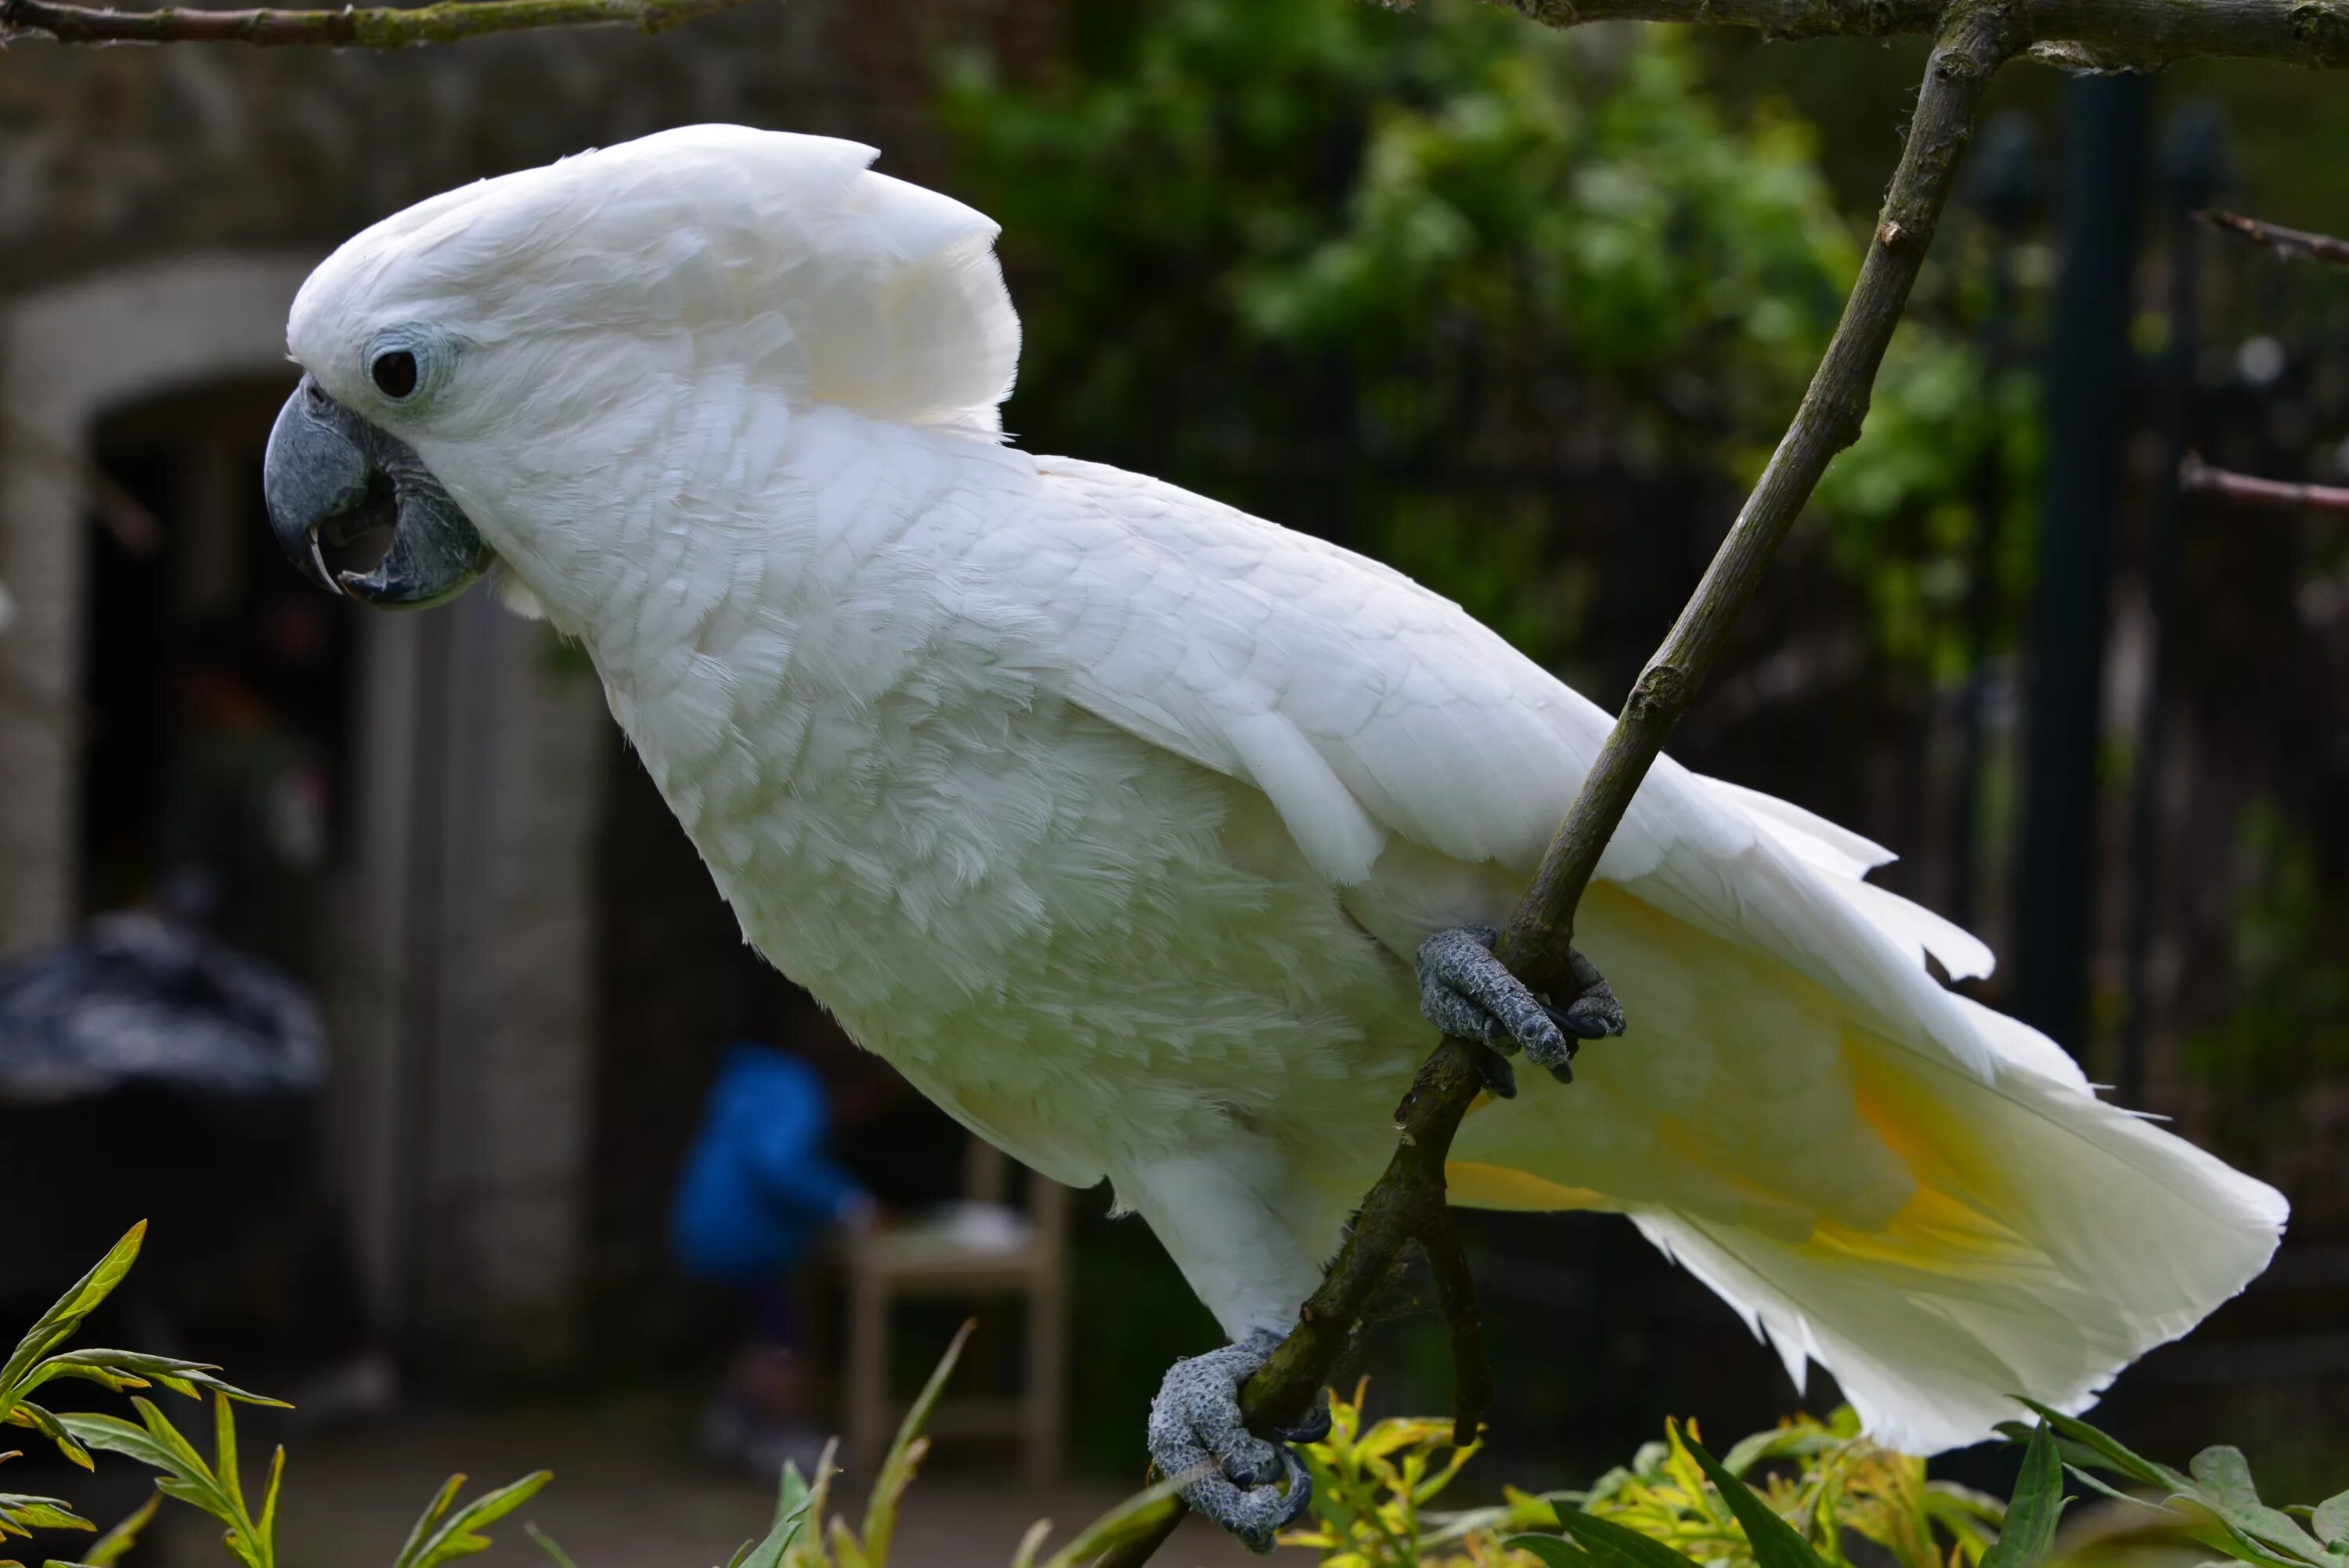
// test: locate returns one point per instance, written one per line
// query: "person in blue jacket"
(758, 1192)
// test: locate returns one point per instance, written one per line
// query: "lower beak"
(330, 476)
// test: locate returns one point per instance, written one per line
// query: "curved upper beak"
(329, 476)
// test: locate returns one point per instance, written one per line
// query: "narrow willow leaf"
(1554, 1550)
(2029, 1533)
(109, 1548)
(113, 1435)
(30, 1513)
(1775, 1542)
(58, 1429)
(454, 1535)
(1031, 1541)
(1135, 1517)
(58, 1324)
(426, 1519)
(1615, 1545)
(2110, 1452)
(268, 1522)
(562, 1559)
(224, 1455)
(905, 1453)
(188, 1378)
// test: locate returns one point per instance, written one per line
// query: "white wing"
(1879, 1174)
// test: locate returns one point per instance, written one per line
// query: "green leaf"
(791, 1507)
(2029, 1533)
(562, 1559)
(2226, 1489)
(112, 1368)
(58, 1324)
(428, 1519)
(2331, 1521)
(57, 1429)
(1775, 1542)
(1130, 1521)
(905, 1453)
(1553, 1551)
(108, 1549)
(2110, 1452)
(113, 1435)
(1617, 1545)
(23, 1514)
(442, 1536)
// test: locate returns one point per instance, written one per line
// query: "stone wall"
(157, 209)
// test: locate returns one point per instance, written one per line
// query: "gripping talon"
(1252, 1487)
(1469, 993)
(1316, 1424)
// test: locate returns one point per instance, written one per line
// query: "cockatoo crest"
(780, 254)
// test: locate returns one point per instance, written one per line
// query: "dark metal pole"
(2006, 193)
(2192, 159)
(2086, 375)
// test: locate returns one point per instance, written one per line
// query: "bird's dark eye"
(394, 373)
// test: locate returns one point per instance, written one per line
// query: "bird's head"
(513, 371)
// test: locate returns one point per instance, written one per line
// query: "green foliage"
(2215, 1504)
(2028, 1534)
(215, 1487)
(1411, 276)
(38, 1360)
(1372, 1487)
(444, 1533)
(1672, 1504)
(116, 1543)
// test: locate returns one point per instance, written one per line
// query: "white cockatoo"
(1146, 836)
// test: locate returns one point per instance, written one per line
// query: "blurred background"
(1518, 313)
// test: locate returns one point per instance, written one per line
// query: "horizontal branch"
(2197, 475)
(2303, 243)
(2087, 35)
(370, 27)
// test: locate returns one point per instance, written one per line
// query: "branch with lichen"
(368, 27)
(1407, 1208)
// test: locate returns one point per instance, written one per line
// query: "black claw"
(1316, 1424)
(1500, 1081)
(1300, 1492)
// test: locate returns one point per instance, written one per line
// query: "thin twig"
(1407, 1205)
(372, 27)
(2303, 243)
(2080, 35)
(2196, 475)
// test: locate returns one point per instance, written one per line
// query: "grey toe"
(1198, 1438)
(1468, 993)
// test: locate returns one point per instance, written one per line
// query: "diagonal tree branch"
(2195, 475)
(372, 27)
(2283, 241)
(1407, 1206)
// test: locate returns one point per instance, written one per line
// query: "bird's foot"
(1198, 1438)
(1468, 993)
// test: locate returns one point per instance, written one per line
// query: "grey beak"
(329, 476)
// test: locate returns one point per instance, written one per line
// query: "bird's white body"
(1113, 817)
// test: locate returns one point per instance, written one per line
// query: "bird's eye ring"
(394, 373)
